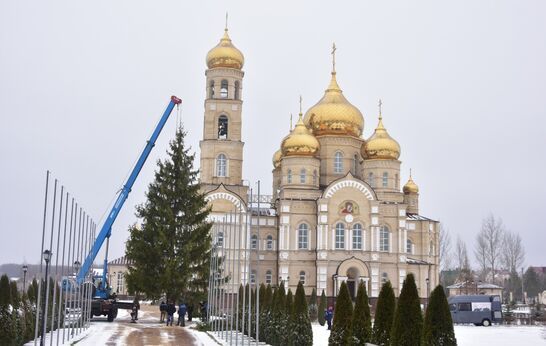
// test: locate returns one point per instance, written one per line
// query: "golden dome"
(333, 114)
(300, 141)
(410, 187)
(381, 145)
(225, 54)
(277, 158)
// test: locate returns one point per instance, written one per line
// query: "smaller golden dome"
(277, 158)
(225, 54)
(381, 145)
(410, 187)
(300, 141)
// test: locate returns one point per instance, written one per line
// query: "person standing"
(163, 311)
(182, 315)
(171, 309)
(190, 311)
(328, 315)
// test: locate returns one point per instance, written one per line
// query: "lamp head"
(77, 265)
(47, 255)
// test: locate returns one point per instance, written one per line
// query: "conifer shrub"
(262, 312)
(343, 315)
(384, 315)
(407, 327)
(8, 326)
(301, 331)
(287, 324)
(438, 326)
(322, 308)
(362, 320)
(278, 317)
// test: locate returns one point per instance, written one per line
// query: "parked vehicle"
(482, 310)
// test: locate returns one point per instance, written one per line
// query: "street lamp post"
(428, 290)
(25, 269)
(47, 256)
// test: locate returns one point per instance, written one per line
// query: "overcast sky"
(463, 85)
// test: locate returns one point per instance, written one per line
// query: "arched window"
(303, 236)
(340, 236)
(224, 89)
(431, 249)
(409, 246)
(338, 162)
(315, 177)
(355, 164)
(357, 236)
(211, 89)
(385, 179)
(236, 92)
(222, 127)
(384, 238)
(302, 176)
(396, 182)
(302, 277)
(384, 277)
(268, 277)
(253, 276)
(269, 242)
(221, 163)
(371, 179)
(254, 242)
(289, 176)
(220, 239)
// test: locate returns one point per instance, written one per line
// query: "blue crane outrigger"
(103, 304)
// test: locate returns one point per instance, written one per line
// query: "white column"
(405, 238)
(377, 239)
(372, 230)
(319, 236)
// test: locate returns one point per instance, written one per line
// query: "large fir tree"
(279, 317)
(313, 308)
(343, 315)
(287, 325)
(8, 326)
(407, 326)
(362, 321)
(268, 314)
(384, 315)
(169, 253)
(322, 308)
(263, 311)
(438, 327)
(302, 333)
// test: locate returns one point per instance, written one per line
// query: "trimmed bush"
(322, 309)
(301, 331)
(384, 315)
(343, 315)
(407, 327)
(438, 327)
(362, 320)
(313, 308)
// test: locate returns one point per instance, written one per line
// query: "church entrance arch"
(351, 271)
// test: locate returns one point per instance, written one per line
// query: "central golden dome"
(300, 142)
(333, 114)
(381, 145)
(225, 54)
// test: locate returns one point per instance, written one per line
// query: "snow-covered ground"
(473, 335)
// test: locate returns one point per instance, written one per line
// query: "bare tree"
(461, 257)
(513, 253)
(480, 252)
(492, 235)
(446, 255)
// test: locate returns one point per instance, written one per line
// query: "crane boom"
(124, 193)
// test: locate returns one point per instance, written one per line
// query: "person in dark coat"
(328, 315)
(171, 309)
(203, 307)
(182, 315)
(190, 311)
(163, 310)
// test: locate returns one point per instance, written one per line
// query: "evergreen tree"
(29, 318)
(17, 314)
(384, 315)
(240, 308)
(302, 333)
(287, 325)
(438, 327)
(343, 315)
(268, 314)
(313, 308)
(362, 320)
(263, 312)
(32, 291)
(8, 327)
(322, 308)
(170, 252)
(279, 316)
(407, 326)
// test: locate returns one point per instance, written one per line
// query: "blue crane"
(106, 230)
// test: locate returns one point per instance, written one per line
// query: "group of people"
(168, 310)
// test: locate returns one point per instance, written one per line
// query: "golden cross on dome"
(300, 103)
(334, 57)
(290, 121)
(410, 173)
(226, 21)
(380, 104)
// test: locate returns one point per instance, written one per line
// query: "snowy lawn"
(473, 335)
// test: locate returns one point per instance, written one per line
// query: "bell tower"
(221, 146)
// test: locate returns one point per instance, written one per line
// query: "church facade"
(338, 212)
